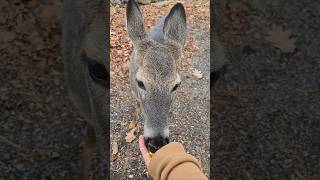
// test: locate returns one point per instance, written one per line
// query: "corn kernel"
(150, 154)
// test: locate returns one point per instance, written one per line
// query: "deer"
(84, 54)
(154, 69)
(218, 59)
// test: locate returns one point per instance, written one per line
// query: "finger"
(142, 147)
(144, 150)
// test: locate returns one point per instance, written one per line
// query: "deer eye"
(141, 85)
(175, 87)
(98, 73)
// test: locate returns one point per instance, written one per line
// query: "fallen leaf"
(113, 157)
(133, 124)
(130, 135)
(112, 9)
(161, 4)
(281, 39)
(115, 148)
(197, 73)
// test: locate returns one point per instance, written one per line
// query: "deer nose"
(155, 143)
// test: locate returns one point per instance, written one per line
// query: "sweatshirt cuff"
(167, 158)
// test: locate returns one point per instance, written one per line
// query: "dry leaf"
(115, 148)
(197, 73)
(280, 38)
(133, 124)
(130, 135)
(113, 158)
(161, 4)
(112, 10)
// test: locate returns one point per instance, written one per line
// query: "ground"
(189, 117)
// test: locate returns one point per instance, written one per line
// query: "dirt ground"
(189, 117)
(265, 116)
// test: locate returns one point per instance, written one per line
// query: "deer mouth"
(155, 143)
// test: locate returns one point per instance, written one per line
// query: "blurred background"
(40, 133)
(265, 107)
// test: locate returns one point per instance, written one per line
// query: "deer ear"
(175, 25)
(134, 22)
